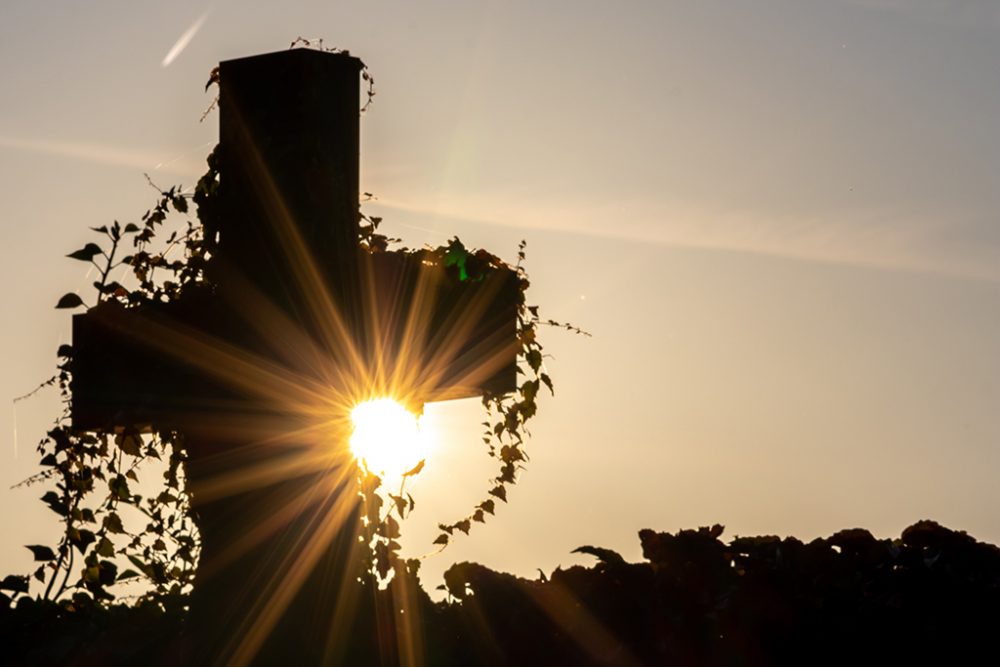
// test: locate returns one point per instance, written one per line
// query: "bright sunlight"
(388, 439)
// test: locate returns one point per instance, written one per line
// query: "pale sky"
(780, 221)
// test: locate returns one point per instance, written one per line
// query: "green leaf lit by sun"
(388, 439)
(457, 255)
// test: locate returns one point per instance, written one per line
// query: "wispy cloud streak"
(183, 41)
(97, 153)
(865, 238)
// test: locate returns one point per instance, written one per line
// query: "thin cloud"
(183, 41)
(863, 239)
(97, 153)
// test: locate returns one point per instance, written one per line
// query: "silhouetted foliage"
(931, 596)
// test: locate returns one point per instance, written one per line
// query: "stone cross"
(297, 310)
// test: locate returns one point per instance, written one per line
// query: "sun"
(388, 439)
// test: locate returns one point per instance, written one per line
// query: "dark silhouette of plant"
(931, 596)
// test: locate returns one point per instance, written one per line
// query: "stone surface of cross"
(288, 269)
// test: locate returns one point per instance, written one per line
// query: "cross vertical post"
(294, 301)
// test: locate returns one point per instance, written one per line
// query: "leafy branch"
(506, 415)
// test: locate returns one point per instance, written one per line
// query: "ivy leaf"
(213, 77)
(129, 443)
(511, 454)
(391, 528)
(416, 469)
(131, 228)
(400, 502)
(382, 558)
(456, 255)
(113, 523)
(114, 287)
(500, 492)
(548, 383)
(441, 539)
(71, 300)
(119, 487)
(105, 548)
(488, 506)
(606, 556)
(128, 574)
(41, 553)
(86, 253)
(14, 582)
(506, 476)
(478, 516)
(82, 539)
(529, 390)
(108, 571)
(166, 497)
(52, 499)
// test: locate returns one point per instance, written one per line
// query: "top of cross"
(288, 247)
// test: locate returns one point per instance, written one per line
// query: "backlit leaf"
(82, 539)
(71, 300)
(534, 359)
(86, 253)
(391, 528)
(41, 553)
(14, 582)
(113, 523)
(53, 500)
(129, 443)
(416, 469)
(105, 548)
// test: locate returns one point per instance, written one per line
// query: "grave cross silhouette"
(296, 305)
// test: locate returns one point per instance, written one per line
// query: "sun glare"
(388, 439)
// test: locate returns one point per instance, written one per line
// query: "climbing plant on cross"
(287, 307)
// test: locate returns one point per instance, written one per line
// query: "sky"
(778, 219)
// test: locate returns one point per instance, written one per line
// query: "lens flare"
(388, 439)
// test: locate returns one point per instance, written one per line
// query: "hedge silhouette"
(931, 596)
